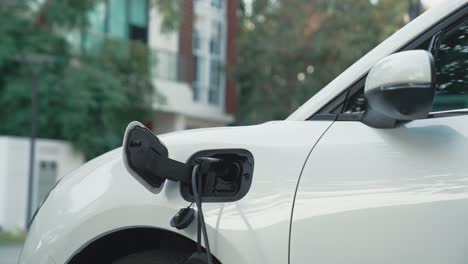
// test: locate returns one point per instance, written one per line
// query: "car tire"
(155, 257)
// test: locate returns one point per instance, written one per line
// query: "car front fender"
(101, 197)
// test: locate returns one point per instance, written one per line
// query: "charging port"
(225, 181)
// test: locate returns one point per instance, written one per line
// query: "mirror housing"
(400, 87)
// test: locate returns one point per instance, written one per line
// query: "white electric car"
(372, 169)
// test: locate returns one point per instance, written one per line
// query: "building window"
(216, 37)
(215, 82)
(138, 20)
(47, 176)
(126, 19)
(199, 64)
(196, 41)
(166, 65)
(208, 49)
(217, 3)
(117, 21)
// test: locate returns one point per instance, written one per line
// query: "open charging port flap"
(147, 159)
(225, 181)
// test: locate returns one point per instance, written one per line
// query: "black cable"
(201, 218)
(198, 232)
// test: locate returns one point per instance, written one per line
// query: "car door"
(398, 195)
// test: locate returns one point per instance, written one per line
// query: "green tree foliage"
(86, 98)
(290, 49)
(171, 12)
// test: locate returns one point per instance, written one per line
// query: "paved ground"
(9, 254)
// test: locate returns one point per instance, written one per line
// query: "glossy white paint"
(392, 195)
(366, 195)
(360, 68)
(405, 67)
(102, 197)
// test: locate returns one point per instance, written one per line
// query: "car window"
(451, 63)
(451, 60)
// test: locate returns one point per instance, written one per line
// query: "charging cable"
(185, 216)
(196, 184)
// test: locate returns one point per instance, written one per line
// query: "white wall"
(165, 41)
(3, 187)
(15, 176)
(167, 122)
(14, 171)
(179, 111)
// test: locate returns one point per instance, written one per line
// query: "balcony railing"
(168, 65)
(158, 63)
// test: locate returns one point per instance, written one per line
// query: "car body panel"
(333, 221)
(393, 195)
(102, 197)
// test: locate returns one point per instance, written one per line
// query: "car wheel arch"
(118, 243)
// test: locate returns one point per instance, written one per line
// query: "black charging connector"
(183, 218)
(202, 164)
(146, 158)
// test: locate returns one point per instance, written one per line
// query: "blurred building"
(191, 63)
(54, 159)
(188, 65)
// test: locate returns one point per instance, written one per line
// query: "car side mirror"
(400, 87)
